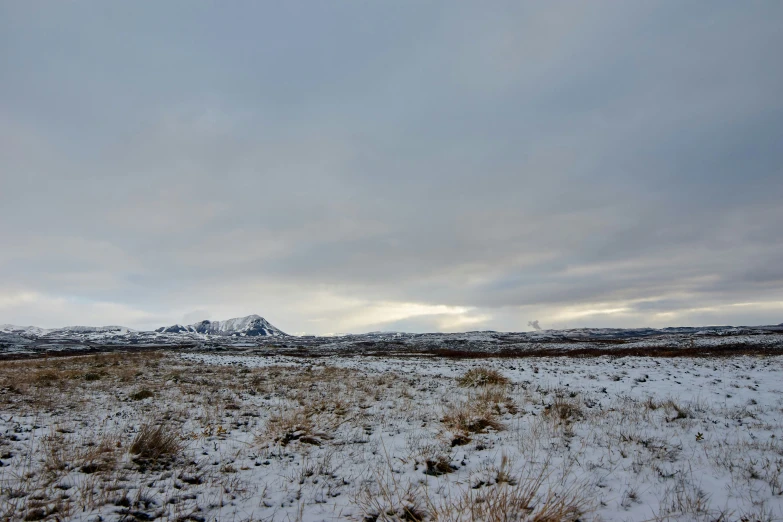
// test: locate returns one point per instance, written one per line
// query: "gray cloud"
(391, 165)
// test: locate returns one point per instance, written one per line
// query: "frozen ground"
(408, 438)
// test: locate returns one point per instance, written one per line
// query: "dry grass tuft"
(527, 496)
(471, 417)
(476, 377)
(504, 502)
(290, 425)
(394, 501)
(305, 424)
(680, 412)
(142, 394)
(564, 410)
(439, 465)
(522, 497)
(45, 378)
(155, 443)
(101, 456)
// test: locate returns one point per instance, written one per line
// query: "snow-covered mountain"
(85, 330)
(22, 330)
(249, 326)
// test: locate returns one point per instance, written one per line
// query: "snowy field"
(156, 436)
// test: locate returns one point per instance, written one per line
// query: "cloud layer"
(393, 165)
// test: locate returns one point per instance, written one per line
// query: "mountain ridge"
(256, 326)
(254, 333)
(248, 326)
(251, 326)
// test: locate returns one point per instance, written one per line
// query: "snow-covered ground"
(372, 438)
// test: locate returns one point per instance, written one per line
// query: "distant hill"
(249, 326)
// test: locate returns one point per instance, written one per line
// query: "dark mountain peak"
(249, 326)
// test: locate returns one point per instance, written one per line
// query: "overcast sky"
(350, 166)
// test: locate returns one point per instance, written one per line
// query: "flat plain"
(183, 435)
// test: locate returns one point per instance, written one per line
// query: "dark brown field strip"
(458, 351)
